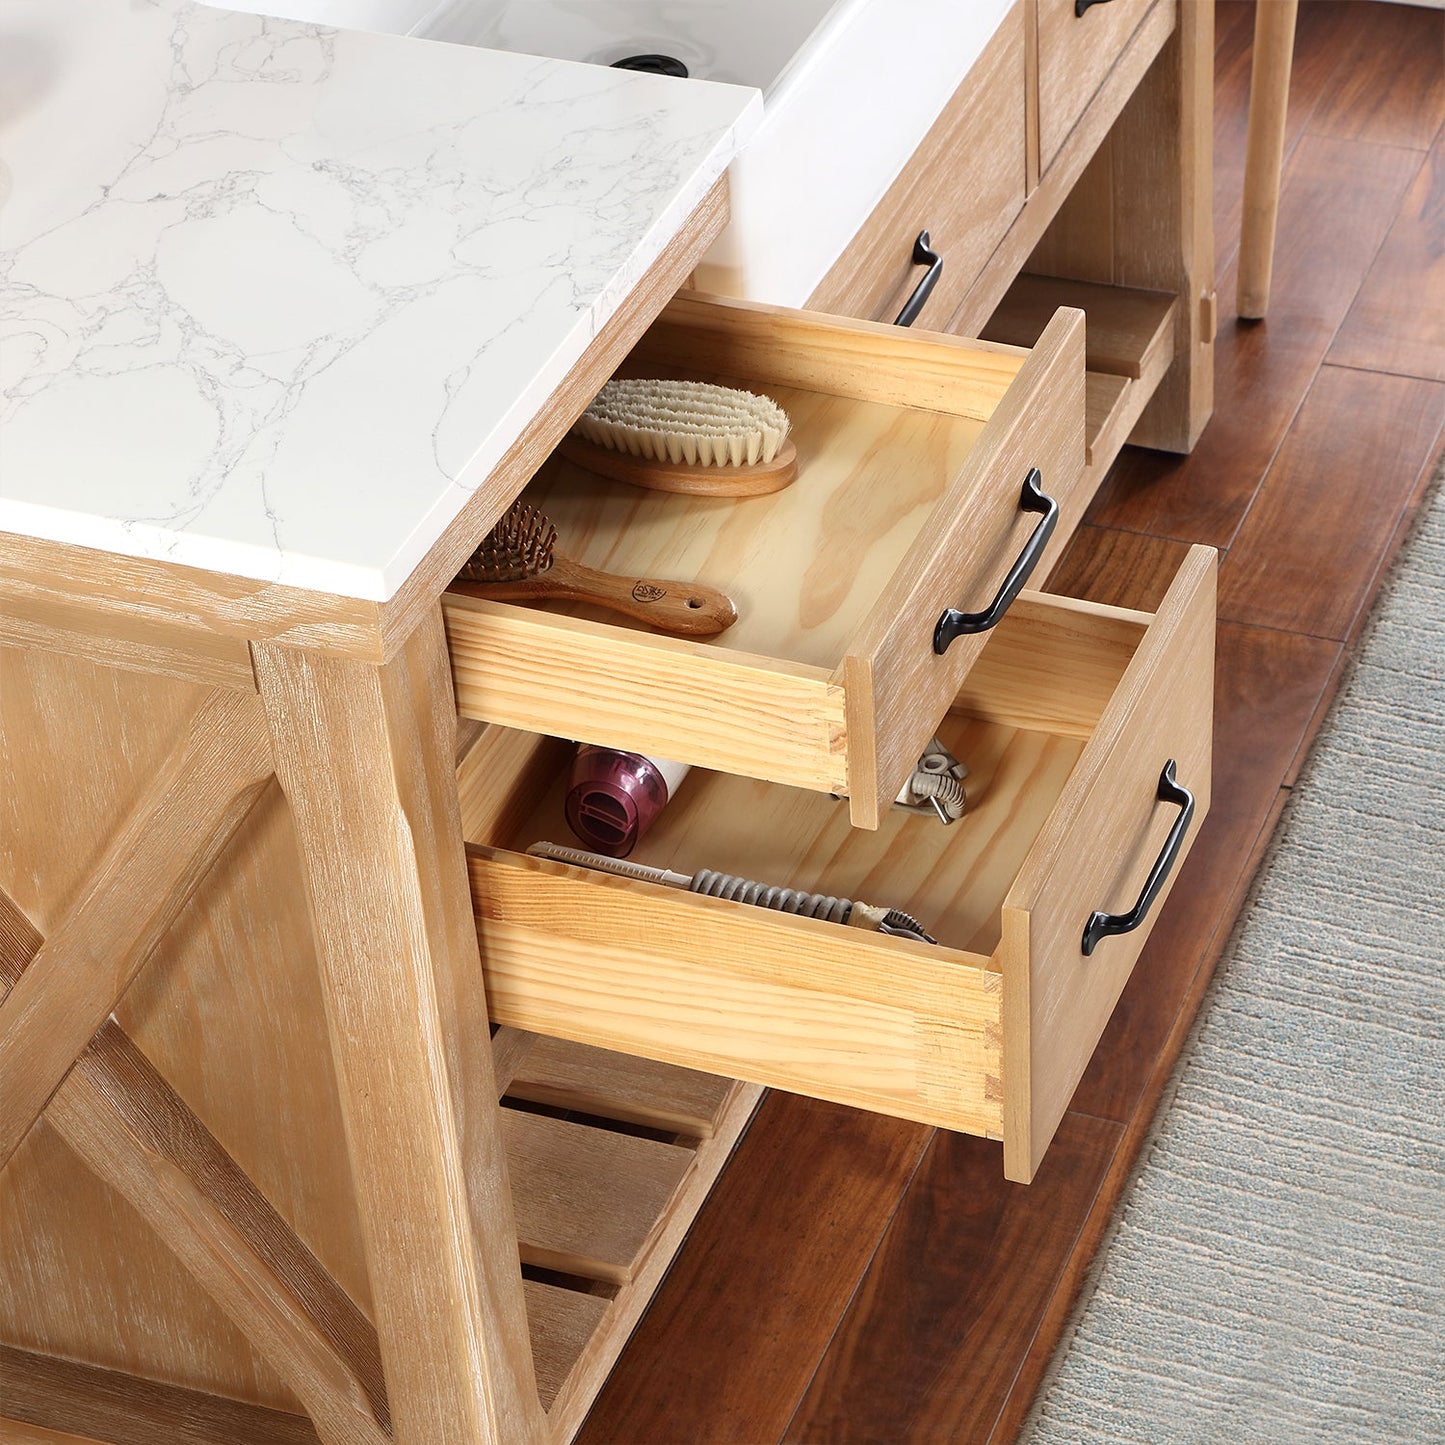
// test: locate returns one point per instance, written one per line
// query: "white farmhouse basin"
(849, 89)
(739, 42)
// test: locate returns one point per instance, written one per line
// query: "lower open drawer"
(1066, 723)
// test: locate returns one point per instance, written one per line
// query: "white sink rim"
(820, 162)
(823, 157)
(445, 21)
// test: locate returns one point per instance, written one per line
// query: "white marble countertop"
(276, 298)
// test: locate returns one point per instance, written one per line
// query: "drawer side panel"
(655, 695)
(774, 999)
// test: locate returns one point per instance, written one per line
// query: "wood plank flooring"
(1387, 326)
(731, 1342)
(858, 1279)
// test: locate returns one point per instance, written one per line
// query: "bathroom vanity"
(300, 1050)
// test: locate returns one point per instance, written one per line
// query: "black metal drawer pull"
(923, 255)
(1081, 5)
(959, 624)
(1101, 925)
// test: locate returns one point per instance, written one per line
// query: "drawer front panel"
(1076, 52)
(795, 1004)
(963, 185)
(1095, 854)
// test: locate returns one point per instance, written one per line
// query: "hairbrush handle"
(685, 609)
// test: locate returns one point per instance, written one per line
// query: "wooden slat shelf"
(1128, 345)
(633, 1091)
(595, 1202)
(587, 1200)
(561, 1323)
(1104, 406)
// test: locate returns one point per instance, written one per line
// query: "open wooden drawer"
(914, 450)
(1066, 723)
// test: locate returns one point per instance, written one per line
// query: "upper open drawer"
(913, 454)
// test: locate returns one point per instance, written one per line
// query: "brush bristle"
(518, 547)
(692, 422)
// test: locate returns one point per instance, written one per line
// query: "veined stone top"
(276, 298)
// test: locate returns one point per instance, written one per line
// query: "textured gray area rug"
(1277, 1272)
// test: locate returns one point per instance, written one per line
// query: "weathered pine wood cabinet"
(273, 951)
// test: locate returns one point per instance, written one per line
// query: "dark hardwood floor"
(862, 1279)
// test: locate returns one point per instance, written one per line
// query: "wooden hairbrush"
(518, 560)
(685, 436)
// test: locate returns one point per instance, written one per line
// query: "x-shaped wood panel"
(364, 754)
(62, 1055)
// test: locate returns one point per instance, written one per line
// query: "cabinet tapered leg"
(365, 755)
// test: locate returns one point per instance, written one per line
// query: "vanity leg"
(1140, 215)
(1164, 227)
(365, 754)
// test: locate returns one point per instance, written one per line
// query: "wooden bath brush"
(518, 560)
(685, 436)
